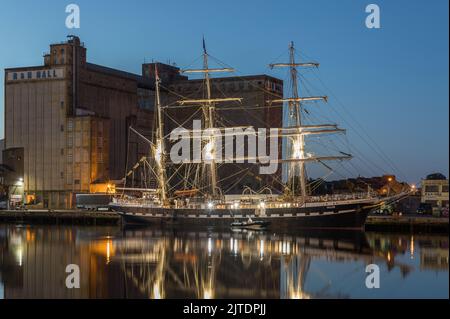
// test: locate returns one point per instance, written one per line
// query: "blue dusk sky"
(391, 83)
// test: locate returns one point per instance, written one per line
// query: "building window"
(15, 76)
(77, 182)
(30, 75)
(22, 76)
(62, 128)
(433, 203)
(38, 74)
(445, 188)
(62, 106)
(62, 174)
(70, 139)
(431, 189)
(62, 60)
(62, 151)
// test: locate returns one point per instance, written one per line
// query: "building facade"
(71, 118)
(435, 192)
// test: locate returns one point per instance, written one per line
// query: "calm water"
(154, 263)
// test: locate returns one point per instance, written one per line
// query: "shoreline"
(57, 217)
(85, 217)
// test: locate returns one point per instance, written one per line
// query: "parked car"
(425, 209)
(384, 210)
(3, 205)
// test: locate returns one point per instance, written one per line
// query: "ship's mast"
(208, 110)
(295, 130)
(296, 112)
(208, 105)
(160, 152)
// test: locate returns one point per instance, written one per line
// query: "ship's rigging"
(204, 178)
(186, 188)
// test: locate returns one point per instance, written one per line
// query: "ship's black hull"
(338, 216)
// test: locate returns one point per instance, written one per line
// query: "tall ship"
(199, 199)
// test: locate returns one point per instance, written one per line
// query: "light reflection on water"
(155, 263)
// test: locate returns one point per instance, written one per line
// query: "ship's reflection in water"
(155, 263)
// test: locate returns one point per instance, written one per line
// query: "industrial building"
(68, 121)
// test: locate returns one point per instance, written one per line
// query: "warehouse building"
(68, 121)
(70, 118)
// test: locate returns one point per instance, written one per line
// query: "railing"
(338, 197)
(135, 201)
(238, 205)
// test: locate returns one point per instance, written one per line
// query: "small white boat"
(250, 224)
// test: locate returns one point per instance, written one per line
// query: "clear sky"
(393, 80)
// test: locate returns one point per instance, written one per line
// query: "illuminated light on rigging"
(297, 149)
(158, 152)
(209, 151)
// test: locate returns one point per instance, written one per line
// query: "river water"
(170, 263)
